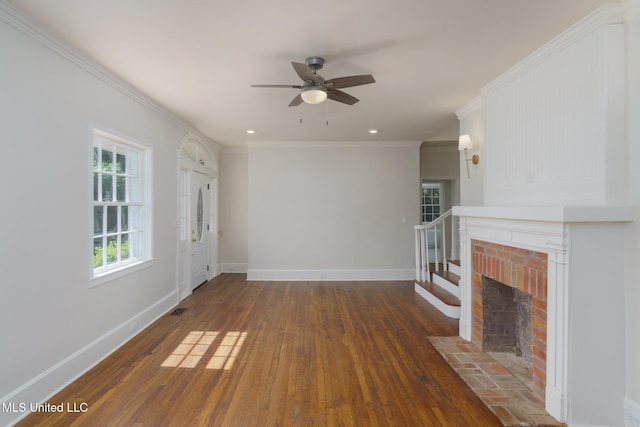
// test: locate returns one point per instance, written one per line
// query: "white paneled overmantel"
(584, 300)
(555, 121)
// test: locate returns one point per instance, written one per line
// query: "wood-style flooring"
(248, 353)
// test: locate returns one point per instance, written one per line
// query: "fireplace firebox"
(506, 320)
(510, 304)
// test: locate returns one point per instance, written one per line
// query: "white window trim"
(440, 187)
(123, 269)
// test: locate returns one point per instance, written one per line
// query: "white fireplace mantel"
(585, 305)
(567, 214)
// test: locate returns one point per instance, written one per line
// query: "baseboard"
(331, 275)
(234, 267)
(15, 405)
(631, 413)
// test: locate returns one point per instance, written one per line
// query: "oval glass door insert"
(199, 214)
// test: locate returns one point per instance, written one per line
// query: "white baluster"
(435, 246)
(418, 256)
(425, 251)
(444, 245)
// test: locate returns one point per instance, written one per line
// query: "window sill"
(110, 275)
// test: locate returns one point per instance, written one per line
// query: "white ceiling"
(198, 58)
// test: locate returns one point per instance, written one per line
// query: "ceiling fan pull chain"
(326, 114)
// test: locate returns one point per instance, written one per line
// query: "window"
(195, 152)
(431, 201)
(121, 212)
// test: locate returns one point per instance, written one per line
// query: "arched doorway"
(197, 215)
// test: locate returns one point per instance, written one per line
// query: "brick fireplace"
(521, 269)
(556, 255)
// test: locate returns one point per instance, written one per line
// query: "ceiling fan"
(315, 89)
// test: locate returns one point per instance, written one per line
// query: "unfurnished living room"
(410, 213)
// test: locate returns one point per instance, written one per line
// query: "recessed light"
(251, 131)
(373, 131)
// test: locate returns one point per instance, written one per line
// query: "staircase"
(437, 278)
(442, 290)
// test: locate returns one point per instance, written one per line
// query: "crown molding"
(608, 14)
(234, 150)
(31, 28)
(431, 147)
(334, 144)
(432, 150)
(470, 107)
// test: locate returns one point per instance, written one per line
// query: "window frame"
(424, 206)
(144, 232)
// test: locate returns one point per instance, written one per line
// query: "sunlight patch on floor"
(227, 351)
(194, 346)
(190, 350)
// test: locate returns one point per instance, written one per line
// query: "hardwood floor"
(280, 354)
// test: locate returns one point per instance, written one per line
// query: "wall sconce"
(464, 143)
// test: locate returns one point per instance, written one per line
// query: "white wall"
(54, 325)
(234, 210)
(595, 337)
(439, 160)
(632, 232)
(472, 123)
(333, 211)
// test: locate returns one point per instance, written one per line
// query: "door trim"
(185, 166)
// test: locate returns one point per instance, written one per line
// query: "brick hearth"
(526, 271)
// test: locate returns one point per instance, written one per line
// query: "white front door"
(200, 207)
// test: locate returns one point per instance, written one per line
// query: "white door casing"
(197, 165)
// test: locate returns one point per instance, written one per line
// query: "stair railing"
(431, 242)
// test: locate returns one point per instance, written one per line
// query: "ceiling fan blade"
(296, 101)
(305, 72)
(340, 96)
(288, 86)
(350, 81)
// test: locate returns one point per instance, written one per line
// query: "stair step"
(454, 266)
(443, 295)
(444, 301)
(449, 276)
(448, 281)
(439, 266)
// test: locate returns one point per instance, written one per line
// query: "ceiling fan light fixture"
(315, 89)
(314, 94)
